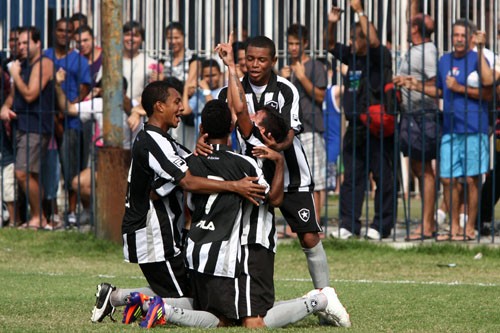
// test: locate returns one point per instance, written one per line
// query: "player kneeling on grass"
(218, 294)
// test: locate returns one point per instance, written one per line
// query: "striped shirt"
(151, 229)
(213, 245)
(283, 96)
(258, 221)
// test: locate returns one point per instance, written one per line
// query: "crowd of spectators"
(423, 133)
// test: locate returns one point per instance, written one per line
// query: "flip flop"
(463, 238)
(27, 226)
(443, 237)
(418, 237)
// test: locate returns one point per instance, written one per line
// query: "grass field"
(48, 281)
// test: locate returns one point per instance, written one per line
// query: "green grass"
(48, 280)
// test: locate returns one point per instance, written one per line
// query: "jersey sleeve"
(168, 166)
(289, 106)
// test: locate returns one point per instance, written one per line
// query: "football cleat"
(156, 313)
(133, 311)
(103, 305)
(335, 313)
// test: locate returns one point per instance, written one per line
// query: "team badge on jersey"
(304, 214)
(273, 104)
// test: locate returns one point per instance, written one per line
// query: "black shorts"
(298, 210)
(215, 294)
(168, 278)
(256, 283)
(419, 135)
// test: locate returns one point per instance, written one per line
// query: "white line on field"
(439, 283)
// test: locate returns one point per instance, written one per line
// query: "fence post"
(113, 160)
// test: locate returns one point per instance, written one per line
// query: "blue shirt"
(77, 73)
(461, 114)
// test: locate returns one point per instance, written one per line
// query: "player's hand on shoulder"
(202, 147)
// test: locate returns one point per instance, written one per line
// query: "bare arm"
(485, 94)
(276, 194)
(333, 18)
(244, 187)
(84, 91)
(235, 93)
(318, 94)
(487, 77)
(366, 26)
(6, 112)
(285, 144)
(41, 74)
(185, 98)
(428, 89)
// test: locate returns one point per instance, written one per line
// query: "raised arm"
(235, 93)
(333, 18)
(366, 26)
(486, 73)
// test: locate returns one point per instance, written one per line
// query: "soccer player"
(213, 243)
(154, 204)
(264, 88)
(259, 238)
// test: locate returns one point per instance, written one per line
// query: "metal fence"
(207, 23)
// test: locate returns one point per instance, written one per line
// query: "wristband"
(206, 92)
(361, 14)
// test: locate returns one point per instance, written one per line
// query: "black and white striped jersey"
(151, 229)
(213, 245)
(283, 96)
(258, 221)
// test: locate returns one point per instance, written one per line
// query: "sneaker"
(103, 305)
(372, 234)
(335, 313)
(156, 313)
(133, 310)
(343, 233)
(71, 218)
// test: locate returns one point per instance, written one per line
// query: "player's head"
(270, 121)
(260, 59)
(216, 120)
(162, 103)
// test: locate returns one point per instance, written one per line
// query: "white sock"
(291, 311)
(190, 318)
(318, 266)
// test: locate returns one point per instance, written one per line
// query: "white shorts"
(7, 183)
(314, 147)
